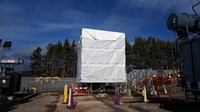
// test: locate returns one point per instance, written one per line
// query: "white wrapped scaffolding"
(101, 57)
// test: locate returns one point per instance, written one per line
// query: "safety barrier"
(81, 91)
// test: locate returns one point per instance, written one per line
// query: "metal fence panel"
(46, 85)
(54, 84)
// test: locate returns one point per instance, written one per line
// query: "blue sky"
(33, 23)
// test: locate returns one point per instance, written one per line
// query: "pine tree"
(139, 53)
(66, 57)
(36, 61)
(56, 57)
(169, 59)
(150, 59)
(47, 58)
(129, 55)
(73, 56)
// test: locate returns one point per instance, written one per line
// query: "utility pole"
(172, 55)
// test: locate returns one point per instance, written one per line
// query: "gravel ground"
(85, 104)
(42, 103)
(53, 102)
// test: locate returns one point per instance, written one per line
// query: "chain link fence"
(138, 76)
(45, 84)
(52, 83)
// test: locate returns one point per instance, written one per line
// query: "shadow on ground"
(176, 105)
(7, 105)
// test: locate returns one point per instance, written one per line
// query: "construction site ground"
(53, 102)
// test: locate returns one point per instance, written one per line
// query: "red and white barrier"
(81, 91)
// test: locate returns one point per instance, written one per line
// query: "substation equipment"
(9, 79)
(187, 28)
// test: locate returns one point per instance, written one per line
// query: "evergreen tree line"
(153, 53)
(61, 59)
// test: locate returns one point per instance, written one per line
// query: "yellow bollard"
(145, 94)
(134, 90)
(153, 89)
(33, 89)
(165, 90)
(65, 96)
(69, 98)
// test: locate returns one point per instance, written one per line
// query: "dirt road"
(42, 103)
(85, 104)
(53, 102)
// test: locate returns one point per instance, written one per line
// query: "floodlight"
(7, 44)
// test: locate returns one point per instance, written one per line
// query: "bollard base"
(117, 96)
(65, 103)
(116, 102)
(146, 101)
(71, 107)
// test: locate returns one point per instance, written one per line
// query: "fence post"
(54, 85)
(41, 86)
(27, 83)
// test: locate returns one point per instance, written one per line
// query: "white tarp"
(101, 57)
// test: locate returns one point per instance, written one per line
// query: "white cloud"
(58, 26)
(24, 52)
(162, 5)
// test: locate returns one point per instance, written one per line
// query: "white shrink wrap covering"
(101, 57)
